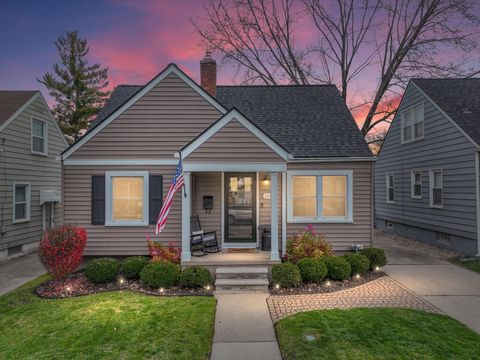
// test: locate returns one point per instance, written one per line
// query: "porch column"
(186, 254)
(274, 215)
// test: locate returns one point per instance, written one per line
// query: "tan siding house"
(274, 166)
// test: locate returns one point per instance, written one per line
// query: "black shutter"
(155, 197)
(98, 200)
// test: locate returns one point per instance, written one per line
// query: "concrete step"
(240, 285)
(245, 272)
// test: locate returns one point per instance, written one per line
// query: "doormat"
(249, 251)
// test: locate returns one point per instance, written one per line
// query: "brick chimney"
(208, 74)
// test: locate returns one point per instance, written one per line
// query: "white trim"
(217, 126)
(222, 192)
(387, 187)
(332, 159)
(412, 184)
(257, 208)
(430, 187)
(477, 185)
(28, 202)
(108, 198)
(133, 162)
(186, 213)
(55, 123)
(171, 69)
(52, 210)
(44, 138)
(240, 246)
(319, 217)
(274, 216)
(235, 167)
(445, 114)
(415, 121)
(19, 111)
(284, 213)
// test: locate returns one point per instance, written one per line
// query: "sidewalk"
(244, 329)
(424, 270)
(16, 272)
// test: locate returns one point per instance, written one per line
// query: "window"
(322, 196)
(412, 123)
(436, 188)
(390, 189)
(39, 137)
(416, 184)
(127, 198)
(21, 203)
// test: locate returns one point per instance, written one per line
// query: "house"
(284, 156)
(427, 173)
(30, 175)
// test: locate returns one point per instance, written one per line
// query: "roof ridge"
(277, 86)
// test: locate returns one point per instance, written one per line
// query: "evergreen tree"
(77, 87)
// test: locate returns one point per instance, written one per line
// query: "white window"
(416, 184)
(126, 198)
(412, 123)
(21, 202)
(39, 137)
(436, 188)
(390, 185)
(320, 196)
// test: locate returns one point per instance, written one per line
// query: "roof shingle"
(11, 101)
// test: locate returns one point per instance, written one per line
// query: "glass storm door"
(240, 208)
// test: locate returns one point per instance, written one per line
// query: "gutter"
(477, 191)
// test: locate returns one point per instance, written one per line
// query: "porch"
(226, 258)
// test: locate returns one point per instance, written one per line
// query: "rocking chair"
(200, 241)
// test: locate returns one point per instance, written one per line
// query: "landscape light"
(161, 290)
(208, 287)
(357, 276)
(121, 280)
(277, 286)
(328, 283)
(377, 268)
(68, 288)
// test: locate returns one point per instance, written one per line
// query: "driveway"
(424, 269)
(16, 272)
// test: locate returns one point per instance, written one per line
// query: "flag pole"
(183, 186)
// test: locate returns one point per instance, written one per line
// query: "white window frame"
(387, 187)
(412, 184)
(28, 201)
(45, 136)
(319, 218)
(109, 198)
(411, 109)
(431, 181)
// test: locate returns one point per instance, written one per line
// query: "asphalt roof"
(11, 101)
(308, 121)
(459, 99)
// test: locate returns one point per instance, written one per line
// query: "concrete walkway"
(424, 270)
(16, 272)
(244, 329)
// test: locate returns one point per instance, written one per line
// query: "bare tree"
(375, 139)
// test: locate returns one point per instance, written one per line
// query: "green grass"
(113, 325)
(375, 334)
(473, 264)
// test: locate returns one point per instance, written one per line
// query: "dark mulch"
(328, 286)
(78, 285)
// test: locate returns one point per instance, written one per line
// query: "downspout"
(477, 191)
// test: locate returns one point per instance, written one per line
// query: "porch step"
(231, 272)
(231, 279)
(240, 285)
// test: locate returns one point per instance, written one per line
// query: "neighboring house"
(285, 156)
(30, 174)
(427, 172)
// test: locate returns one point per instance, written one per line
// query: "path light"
(121, 280)
(328, 283)
(277, 286)
(161, 290)
(68, 288)
(377, 268)
(208, 287)
(357, 276)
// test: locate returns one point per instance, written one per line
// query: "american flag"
(177, 183)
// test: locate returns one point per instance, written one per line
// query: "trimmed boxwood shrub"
(160, 274)
(195, 276)
(102, 270)
(312, 270)
(286, 275)
(358, 262)
(376, 257)
(132, 266)
(338, 267)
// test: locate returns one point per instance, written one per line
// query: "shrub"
(160, 274)
(338, 267)
(312, 270)
(159, 252)
(376, 257)
(195, 276)
(61, 249)
(131, 266)
(358, 262)
(286, 275)
(307, 244)
(102, 270)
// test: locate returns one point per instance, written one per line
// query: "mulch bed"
(328, 286)
(78, 285)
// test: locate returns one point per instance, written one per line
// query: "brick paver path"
(382, 292)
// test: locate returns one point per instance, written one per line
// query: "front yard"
(471, 264)
(110, 325)
(379, 333)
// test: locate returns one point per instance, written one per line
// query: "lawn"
(114, 325)
(375, 334)
(473, 264)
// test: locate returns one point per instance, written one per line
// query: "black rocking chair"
(200, 241)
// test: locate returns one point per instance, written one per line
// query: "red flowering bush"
(61, 249)
(307, 244)
(159, 252)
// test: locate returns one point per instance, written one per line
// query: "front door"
(240, 205)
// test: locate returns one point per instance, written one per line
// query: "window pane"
(418, 178)
(390, 181)
(419, 129)
(20, 193)
(418, 111)
(37, 128)
(407, 133)
(127, 199)
(390, 195)
(417, 190)
(334, 206)
(334, 185)
(20, 211)
(304, 206)
(437, 179)
(407, 118)
(304, 185)
(437, 197)
(38, 144)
